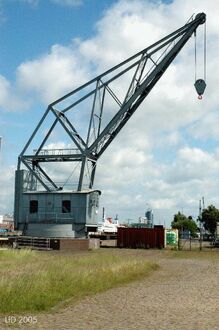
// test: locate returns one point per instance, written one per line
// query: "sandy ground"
(182, 294)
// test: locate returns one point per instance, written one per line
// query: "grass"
(33, 281)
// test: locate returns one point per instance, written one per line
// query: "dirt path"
(183, 294)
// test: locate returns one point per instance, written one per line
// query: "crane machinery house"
(46, 203)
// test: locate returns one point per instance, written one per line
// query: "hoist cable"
(195, 58)
(72, 172)
(204, 54)
(205, 51)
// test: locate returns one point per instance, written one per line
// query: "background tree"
(209, 217)
(182, 223)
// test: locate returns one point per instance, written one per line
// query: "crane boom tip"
(201, 17)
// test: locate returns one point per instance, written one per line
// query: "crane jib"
(87, 150)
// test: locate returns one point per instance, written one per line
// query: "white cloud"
(7, 188)
(52, 75)
(164, 203)
(206, 127)
(5, 88)
(10, 100)
(192, 164)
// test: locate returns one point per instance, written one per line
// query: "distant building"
(143, 220)
(7, 221)
(147, 221)
(150, 217)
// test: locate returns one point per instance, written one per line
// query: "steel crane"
(142, 82)
(139, 73)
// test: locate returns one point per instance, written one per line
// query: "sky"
(167, 156)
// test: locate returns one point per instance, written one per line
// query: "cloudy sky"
(167, 156)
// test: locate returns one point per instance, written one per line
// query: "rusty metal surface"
(140, 238)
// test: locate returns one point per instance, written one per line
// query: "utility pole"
(203, 203)
(200, 223)
(103, 215)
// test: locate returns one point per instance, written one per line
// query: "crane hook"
(200, 86)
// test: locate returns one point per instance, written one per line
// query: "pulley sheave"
(200, 86)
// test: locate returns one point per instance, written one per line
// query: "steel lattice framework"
(144, 69)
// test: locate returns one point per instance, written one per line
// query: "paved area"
(182, 294)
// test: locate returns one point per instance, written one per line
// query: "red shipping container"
(141, 238)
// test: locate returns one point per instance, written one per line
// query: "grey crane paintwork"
(88, 150)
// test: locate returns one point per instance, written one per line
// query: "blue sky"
(30, 28)
(167, 156)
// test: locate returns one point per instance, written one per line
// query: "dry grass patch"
(32, 281)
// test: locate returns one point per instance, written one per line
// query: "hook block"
(200, 86)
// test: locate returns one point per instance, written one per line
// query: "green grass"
(37, 281)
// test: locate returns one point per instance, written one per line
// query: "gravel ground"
(182, 294)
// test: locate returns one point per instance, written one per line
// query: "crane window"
(33, 206)
(66, 206)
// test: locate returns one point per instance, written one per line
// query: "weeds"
(32, 281)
